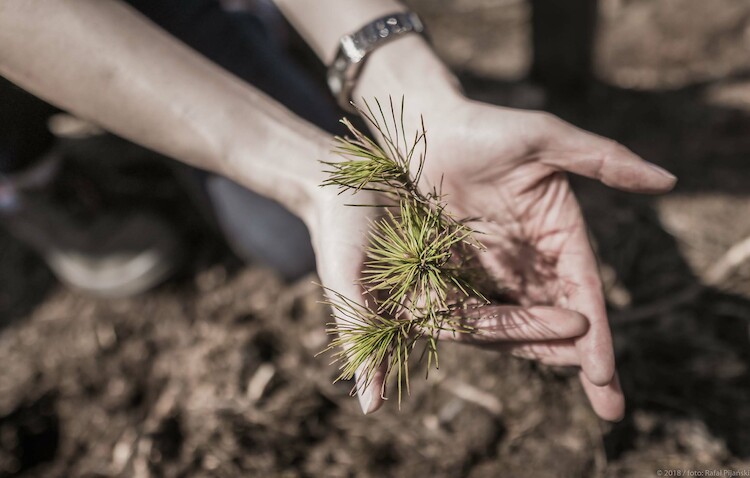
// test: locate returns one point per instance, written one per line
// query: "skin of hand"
(339, 236)
(508, 167)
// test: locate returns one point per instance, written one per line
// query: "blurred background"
(212, 373)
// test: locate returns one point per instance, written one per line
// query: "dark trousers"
(23, 128)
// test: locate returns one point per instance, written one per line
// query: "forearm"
(105, 62)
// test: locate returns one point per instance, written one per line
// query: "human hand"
(508, 167)
(340, 236)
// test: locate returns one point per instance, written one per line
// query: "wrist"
(418, 75)
(430, 91)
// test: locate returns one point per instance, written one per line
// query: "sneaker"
(107, 255)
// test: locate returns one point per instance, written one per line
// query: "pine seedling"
(416, 269)
(365, 339)
(410, 255)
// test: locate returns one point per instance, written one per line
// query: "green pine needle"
(365, 339)
(410, 257)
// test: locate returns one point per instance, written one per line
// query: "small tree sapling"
(417, 274)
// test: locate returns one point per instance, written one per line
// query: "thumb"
(370, 386)
(353, 322)
(572, 149)
(353, 346)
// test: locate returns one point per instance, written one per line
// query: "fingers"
(598, 374)
(338, 266)
(498, 324)
(370, 394)
(557, 353)
(607, 401)
(595, 347)
(572, 149)
(577, 268)
(543, 334)
(562, 353)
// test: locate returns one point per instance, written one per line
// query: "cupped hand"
(339, 234)
(508, 168)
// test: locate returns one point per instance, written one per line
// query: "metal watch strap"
(353, 50)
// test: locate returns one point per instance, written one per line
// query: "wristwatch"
(354, 48)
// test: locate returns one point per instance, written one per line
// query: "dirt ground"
(214, 373)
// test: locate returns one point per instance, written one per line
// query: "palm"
(511, 177)
(506, 168)
(526, 232)
(537, 248)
